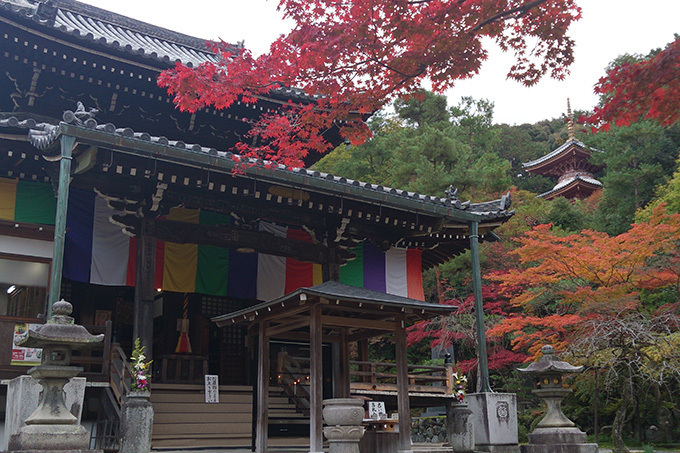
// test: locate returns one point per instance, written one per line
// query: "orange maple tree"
(649, 88)
(354, 56)
(568, 280)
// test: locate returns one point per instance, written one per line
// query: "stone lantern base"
(50, 437)
(558, 440)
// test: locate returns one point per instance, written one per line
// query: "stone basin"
(343, 411)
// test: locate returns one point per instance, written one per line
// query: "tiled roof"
(340, 292)
(121, 33)
(43, 135)
(568, 181)
(557, 152)
(114, 30)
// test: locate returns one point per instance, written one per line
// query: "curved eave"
(572, 149)
(95, 28)
(578, 188)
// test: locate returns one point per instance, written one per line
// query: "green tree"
(426, 147)
(423, 108)
(637, 158)
(668, 193)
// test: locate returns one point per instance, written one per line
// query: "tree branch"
(503, 14)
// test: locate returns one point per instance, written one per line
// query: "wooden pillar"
(261, 432)
(331, 269)
(316, 384)
(403, 404)
(67, 145)
(341, 367)
(363, 357)
(144, 290)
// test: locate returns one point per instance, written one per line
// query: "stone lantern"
(52, 426)
(555, 433)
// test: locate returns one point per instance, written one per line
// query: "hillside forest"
(596, 278)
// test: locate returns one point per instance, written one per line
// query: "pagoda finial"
(570, 122)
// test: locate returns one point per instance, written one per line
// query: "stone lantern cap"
(60, 329)
(549, 364)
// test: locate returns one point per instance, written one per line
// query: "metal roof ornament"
(570, 123)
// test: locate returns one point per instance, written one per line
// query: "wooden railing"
(95, 361)
(121, 375)
(292, 375)
(382, 376)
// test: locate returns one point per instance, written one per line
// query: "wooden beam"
(287, 327)
(403, 404)
(366, 334)
(304, 336)
(340, 321)
(378, 387)
(316, 381)
(262, 390)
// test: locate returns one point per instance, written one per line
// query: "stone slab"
(560, 448)
(23, 395)
(56, 451)
(494, 417)
(549, 436)
(53, 437)
(497, 449)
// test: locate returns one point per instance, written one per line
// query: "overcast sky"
(609, 28)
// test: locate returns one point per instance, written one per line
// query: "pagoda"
(570, 164)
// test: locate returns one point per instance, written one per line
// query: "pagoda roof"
(566, 151)
(100, 27)
(572, 187)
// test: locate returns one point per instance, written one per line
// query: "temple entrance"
(187, 345)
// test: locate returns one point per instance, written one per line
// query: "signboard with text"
(212, 388)
(24, 356)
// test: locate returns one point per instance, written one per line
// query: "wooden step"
(183, 418)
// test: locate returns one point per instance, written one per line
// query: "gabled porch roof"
(358, 303)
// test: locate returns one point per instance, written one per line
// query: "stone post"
(343, 417)
(459, 428)
(136, 423)
(495, 421)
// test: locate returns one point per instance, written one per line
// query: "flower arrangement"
(459, 385)
(139, 369)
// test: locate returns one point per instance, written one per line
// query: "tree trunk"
(617, 429)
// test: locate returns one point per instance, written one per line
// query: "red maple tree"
(649, 88)
(355, 56)
(568, 281)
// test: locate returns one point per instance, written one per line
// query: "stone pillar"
(494, 418)
(136, 423)
(459, 428)
(343, 417)
(343, 439)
